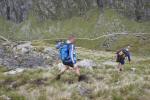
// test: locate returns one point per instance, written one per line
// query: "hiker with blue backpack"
(67, 54)
(121, 55)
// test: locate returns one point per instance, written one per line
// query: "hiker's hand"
(115, 57)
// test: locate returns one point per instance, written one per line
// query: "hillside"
(102, 82)
(91, 26)
(29, 61)
(43, 19)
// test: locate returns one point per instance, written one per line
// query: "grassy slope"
(139, 45)
(103, 83)
(90, 25)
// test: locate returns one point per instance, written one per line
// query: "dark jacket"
(125, 54)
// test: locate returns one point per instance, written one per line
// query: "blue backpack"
(64, 52)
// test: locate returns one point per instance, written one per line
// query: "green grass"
(103, 83)
(139, 45)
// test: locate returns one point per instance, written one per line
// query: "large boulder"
(86, 63)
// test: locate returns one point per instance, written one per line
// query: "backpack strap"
(125, 51)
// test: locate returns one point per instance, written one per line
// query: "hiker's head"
(72, 38)
(128, 48)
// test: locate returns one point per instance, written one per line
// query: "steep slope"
(51, 19)
(18, 10)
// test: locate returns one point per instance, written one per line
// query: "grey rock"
(13, 58)
(83, 90)
(86, 63)
(15, 71)
(15, 10)
(18, 10)
(4, 97)
(110, 63)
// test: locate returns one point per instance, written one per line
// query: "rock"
(48, 50)
(1, 51)
(86, 63)
(18, 10)
(24, 48)
(15, 71)
(23, 55)
(60, 66)
(133, 69)
(83, 90)
(1, 61)
(83, 63)
(15, 10)
(4, 97)
(110, 63)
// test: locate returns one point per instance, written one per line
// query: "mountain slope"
(101, 83)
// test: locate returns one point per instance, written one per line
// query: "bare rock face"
(58, 9)
(18, 10)
(15, 10)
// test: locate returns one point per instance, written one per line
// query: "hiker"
(121, 55)
(68, 57)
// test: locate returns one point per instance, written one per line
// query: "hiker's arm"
(71, 52)
(58, 45)
(114, 57)
(129, 56)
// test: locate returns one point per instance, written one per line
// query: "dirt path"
(107, 35)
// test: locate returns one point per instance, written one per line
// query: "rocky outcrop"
(15, 10)
(24, 55)
(58, 9)
(137, 9)
(85, 63)
(18, 10)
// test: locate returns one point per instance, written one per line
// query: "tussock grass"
(102, 83)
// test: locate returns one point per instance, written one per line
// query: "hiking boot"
(58, 77)
(120, 70)
(80, 78)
